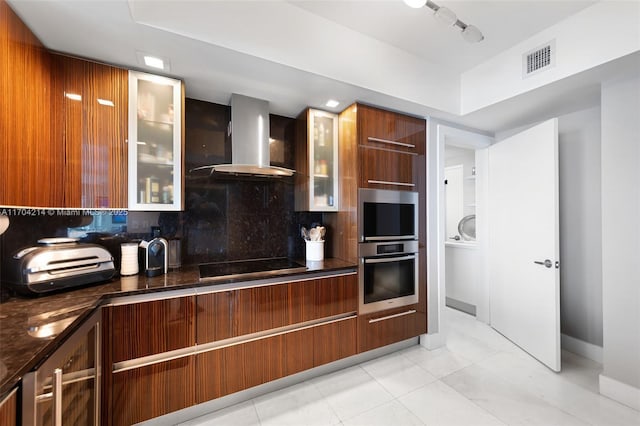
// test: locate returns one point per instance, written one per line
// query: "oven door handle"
(388, 259)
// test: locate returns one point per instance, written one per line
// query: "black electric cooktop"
(248, 268)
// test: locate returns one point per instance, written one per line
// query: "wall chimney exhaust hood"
(249, 140)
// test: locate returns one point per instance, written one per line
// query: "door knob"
(547, 263)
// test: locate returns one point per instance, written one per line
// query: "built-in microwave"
(388, 249)
(386, 215)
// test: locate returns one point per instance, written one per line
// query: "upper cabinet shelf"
(317, 161)
(155, 142)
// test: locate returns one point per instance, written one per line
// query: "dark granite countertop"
(23, 338)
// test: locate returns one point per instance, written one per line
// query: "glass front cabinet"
(155, 142)
(317, 161)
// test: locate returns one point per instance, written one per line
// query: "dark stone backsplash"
(225, 217)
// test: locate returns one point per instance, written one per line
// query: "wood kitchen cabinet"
(9, 409)
(278, 308)
(386, 327)
(31, 172)
(165, 355)
(91, 105)
(390, 147)
(65, 389)
(316, 161)
(59, 146)
(135, 390)
(150, 391)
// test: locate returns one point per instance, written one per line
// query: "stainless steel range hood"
(249, 140)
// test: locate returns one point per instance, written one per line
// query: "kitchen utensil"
(323, 231)
(304, 233)
(314, 234)
(4, 223)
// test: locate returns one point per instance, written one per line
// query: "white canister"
(129, 259)
(315, 250)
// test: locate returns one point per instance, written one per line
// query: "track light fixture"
(445, 15)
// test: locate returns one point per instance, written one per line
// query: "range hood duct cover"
(249, 140)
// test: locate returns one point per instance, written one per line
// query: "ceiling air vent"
(539, 59)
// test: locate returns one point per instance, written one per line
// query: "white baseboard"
(621, 392)
(582, 348)
(432, 341)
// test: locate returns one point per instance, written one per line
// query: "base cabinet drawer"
(384, 328)
(334, 341)
(143, 393)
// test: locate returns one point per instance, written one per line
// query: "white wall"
(598, 34)
(462, 272)
(621, 240)
(580, 226)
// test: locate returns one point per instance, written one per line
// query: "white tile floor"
(479, 378)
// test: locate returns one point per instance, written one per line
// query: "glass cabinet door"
(323, 160)
(155, 142)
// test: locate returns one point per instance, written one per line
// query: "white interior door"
(523, 241)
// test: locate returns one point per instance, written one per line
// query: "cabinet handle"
(57, 397)
(384, 182)
(401, 314)
(408, 145)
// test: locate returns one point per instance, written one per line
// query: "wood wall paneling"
(146, 392)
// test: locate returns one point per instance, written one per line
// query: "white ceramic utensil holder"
(315, 250)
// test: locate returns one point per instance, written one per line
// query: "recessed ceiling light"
(105, 102)
(416, 4)
(332, 103)
(152, 61)
(73, 96)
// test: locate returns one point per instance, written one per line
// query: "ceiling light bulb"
(416, 4)
(332, 103)
(154, 62)
(445, 16)
(472, 34)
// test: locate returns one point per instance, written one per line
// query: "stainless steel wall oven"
(388, 249)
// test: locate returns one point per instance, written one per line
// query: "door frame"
(444, 133)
